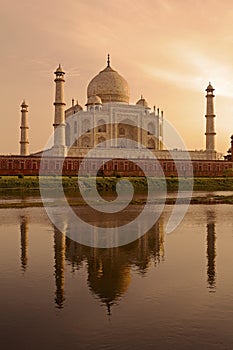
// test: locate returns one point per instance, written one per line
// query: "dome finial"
(24, 104)
(109, 85)
(59, 70)
(210, 88)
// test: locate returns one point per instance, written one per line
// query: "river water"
(163, 291)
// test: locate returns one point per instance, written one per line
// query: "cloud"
(189, 68)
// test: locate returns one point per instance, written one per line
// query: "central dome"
(109, 86)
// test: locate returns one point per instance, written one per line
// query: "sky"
(167, 50)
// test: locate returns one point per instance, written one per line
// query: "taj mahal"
(110, 123)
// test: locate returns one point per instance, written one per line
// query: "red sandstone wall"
(15, 165)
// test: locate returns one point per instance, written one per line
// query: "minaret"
(231, 148)
(210, 129)
(24, 144)
(59, 117)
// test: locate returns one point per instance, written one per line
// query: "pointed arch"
(151, 128)
(151, 144)
(86, 141)
(67, 132)
(101, 125)
(101, 139)
(86, 125)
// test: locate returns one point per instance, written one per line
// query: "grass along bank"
(27, 191)
(30, 184)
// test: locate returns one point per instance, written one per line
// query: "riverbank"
(30, 184)
(208, 200)
(24, 192)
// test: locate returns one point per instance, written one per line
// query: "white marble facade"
(121, 124)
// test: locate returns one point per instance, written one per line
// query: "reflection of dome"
(94, 100)
(142, 102)
(109, 86)
(109, 271)
(108, 280)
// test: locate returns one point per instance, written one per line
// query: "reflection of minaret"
(59, 267)
(150, 247)
(161, 238)
(24, 241)
(211, 251)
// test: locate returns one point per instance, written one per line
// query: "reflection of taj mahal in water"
(109, 270)
(109, 116)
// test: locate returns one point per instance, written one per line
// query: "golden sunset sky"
(167, 50)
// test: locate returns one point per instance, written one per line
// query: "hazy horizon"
(168, 51)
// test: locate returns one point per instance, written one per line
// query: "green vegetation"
(30, 184)
(202, 184)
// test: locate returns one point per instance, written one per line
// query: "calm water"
(163, 291)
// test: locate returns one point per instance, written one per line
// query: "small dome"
(24, 104)
(109, 86)
(142, 102)
(59, 70)
(94, 100)
(78, 107)
(209, 87)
